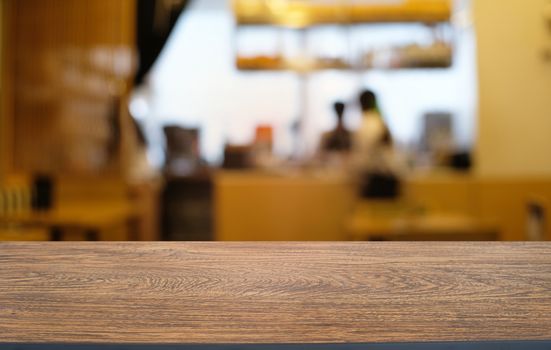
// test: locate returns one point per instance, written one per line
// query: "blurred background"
(267, 120)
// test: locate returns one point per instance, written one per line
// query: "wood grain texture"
(280, 292)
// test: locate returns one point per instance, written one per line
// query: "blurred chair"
(187, 210)
(537, 226)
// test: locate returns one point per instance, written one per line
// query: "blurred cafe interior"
(275, 120)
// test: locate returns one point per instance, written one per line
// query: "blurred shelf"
(261, 63)
(437, 55)
(401, 58)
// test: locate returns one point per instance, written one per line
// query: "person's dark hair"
(368, 100)
(339, 109)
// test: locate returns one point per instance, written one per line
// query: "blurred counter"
(297, 207)
(251, 205)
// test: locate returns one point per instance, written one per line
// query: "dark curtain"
(156, 20)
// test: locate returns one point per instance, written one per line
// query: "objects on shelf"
(289, 35)
(437, 55)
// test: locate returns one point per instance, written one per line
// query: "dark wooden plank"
(280, 292)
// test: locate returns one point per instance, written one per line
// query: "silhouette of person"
(373, 154)
(340, 138)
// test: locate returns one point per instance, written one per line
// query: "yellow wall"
(515, 88)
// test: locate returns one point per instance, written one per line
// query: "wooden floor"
(252, 292)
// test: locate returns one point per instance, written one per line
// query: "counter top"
(274, 292)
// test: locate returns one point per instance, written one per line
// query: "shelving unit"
(302, 17)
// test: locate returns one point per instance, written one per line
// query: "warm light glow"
(300, 13)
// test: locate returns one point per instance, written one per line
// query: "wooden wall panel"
(6, 149)
(72, 61)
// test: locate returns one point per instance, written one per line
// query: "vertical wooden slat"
(6, 148)
(3, 145)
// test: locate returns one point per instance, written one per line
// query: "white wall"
(515, 88)
(195, 83)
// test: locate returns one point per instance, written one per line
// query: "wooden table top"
(82, 214)
(274, 292)
(430, 226)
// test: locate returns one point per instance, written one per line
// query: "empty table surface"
(274, 292)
